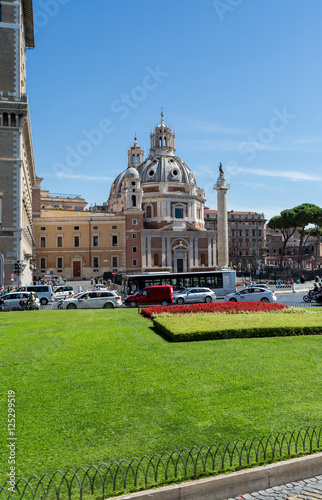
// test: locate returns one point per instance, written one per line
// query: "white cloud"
(81, 177)
(291, 175)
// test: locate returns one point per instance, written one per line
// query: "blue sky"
(239, 81)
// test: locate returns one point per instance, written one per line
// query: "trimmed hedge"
(254, 332)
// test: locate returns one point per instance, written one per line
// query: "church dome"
(131, 173)
(165, 168)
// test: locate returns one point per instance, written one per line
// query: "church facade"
(161, 194)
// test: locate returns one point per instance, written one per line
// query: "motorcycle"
(313, 296)
(23, 307)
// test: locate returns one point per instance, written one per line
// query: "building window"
(114, 261)
(133, 200)
(95, 227)
(134, 249)
(178, 213)
(0, 208)
(134, 262)
(76, 228)
(148, 212)
(114, 227)
(76, 241)
(59, 262)
(134, 235)
(114, 240)
(95, 241)
(59, 241)
(43, 263)
(59, 228)
(42, 228)
(95, 262)
(43, 242)
(134, 222)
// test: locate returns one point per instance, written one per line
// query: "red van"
(162, 294)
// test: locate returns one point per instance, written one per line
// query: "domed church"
(163, 208)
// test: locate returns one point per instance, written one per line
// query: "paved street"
(309, 489)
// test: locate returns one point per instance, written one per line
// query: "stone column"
(143, 251)
(149, 251)
(214, 250)
(209, 253)
(190, 252)
(196, 253)
(169, 260)
(222, 225)
(164, 263)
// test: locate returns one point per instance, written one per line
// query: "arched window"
(133, 200)
(165, 141)
(133, 158)
(160, 142)
(5, 120)
(156, 260)
(13, 120)
(148, 211)
(137, 158)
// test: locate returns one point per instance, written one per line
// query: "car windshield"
(186, 290)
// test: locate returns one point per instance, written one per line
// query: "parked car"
(194, 295)
(252, 294)
(96, 299)
(62, 292)
(162, 294)
(11, 301)
(100, 286)
(260, 285)
(44, 292)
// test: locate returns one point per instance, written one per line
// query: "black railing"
(125, 476)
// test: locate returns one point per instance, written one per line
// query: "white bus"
(222, 282)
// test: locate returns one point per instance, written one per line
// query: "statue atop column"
(221, 172)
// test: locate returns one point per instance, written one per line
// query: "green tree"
(306, 214)
(286, 222)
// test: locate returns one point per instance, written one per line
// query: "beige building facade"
(77, 244)
(17, 167)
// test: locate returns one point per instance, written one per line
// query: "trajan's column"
(222, 220)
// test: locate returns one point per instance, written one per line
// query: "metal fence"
(124, 476)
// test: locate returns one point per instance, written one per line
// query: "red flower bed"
(221, 307)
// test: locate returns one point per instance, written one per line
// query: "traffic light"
(17, 268)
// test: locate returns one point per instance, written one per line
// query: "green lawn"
(96, 386)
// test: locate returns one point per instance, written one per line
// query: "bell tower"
(162, 141)
(135, 155)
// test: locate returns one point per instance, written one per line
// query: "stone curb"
(237, 483)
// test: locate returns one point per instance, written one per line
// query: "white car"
(10, 301)
(96, 299)
(63, 292)
(194, 295)
(252, 294)
(260, 285)
(100, 286)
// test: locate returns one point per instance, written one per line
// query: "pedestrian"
(79, 289)
(92, 282)
(109, 283)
